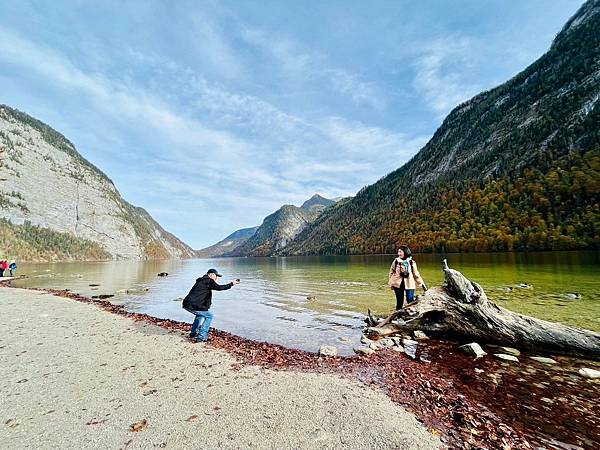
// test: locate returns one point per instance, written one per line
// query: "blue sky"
(211, 115)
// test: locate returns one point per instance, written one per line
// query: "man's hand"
(424, 287)
(236, 281)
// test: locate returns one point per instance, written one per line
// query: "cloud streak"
(253, 154)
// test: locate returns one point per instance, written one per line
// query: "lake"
(271, 304)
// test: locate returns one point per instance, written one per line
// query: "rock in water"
(543, 360)
(473, 349)
(506, 357)
(328, 350)
(592, 374)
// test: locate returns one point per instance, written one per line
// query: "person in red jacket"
(3, 267)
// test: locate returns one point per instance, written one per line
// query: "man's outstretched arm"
(220, 287)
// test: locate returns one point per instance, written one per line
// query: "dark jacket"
(200, 296)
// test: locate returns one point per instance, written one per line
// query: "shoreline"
(436, 401)
(74, 376)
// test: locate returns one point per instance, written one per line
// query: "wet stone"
(418, 334)
(510, 351)
(588, 373)
(366, 351)
(365, 340)
(386, 343)
(410, 348)
(543, 360)
(328, 350)
(473, 349)
(506, 357)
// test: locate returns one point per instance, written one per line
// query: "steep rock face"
(279, 228)
(227, 245)
(531, 128)
(46, 182)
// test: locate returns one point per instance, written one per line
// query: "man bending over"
(198, 302)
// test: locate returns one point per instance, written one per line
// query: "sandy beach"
(75, 376)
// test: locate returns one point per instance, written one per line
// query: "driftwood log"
(461, 309)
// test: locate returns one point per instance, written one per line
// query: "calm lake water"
(271, 302)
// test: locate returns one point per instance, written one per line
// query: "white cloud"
(299, 63)
(222, 148)
(440, 70)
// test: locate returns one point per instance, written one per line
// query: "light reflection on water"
(271, 303)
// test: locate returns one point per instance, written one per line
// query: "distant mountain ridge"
(273, 234)
(514, 168)
(45, 182)
(227, 245)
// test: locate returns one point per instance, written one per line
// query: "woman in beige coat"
(404, 277)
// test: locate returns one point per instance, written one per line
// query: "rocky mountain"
(317, 203)
(514, 168)
(227, 245)
(279, 228)
(45, 184)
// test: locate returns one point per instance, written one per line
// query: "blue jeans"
(206, 317)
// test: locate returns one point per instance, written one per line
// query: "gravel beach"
(75, 376)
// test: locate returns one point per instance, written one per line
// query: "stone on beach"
(418, 334)
(365, 340)
(366, 351)
(510, 351)
(506, 357)
(397, 340)
(386, 343)
(591, 374)
(328, 350)
(410, 347)
(543, 360)
(473, 349)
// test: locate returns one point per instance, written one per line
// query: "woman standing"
(404, 277)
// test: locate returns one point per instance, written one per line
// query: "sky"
(213, 114)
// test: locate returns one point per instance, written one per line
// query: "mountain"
(51, 195)
(281, 227)
(227, 245)
(317, 203)
(514, 168)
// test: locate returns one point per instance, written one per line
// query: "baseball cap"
(214, 271)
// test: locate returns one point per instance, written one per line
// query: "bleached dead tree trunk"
(461, 308)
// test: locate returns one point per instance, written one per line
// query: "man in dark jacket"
(199, 299)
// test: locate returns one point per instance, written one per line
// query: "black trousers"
(410, 296)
